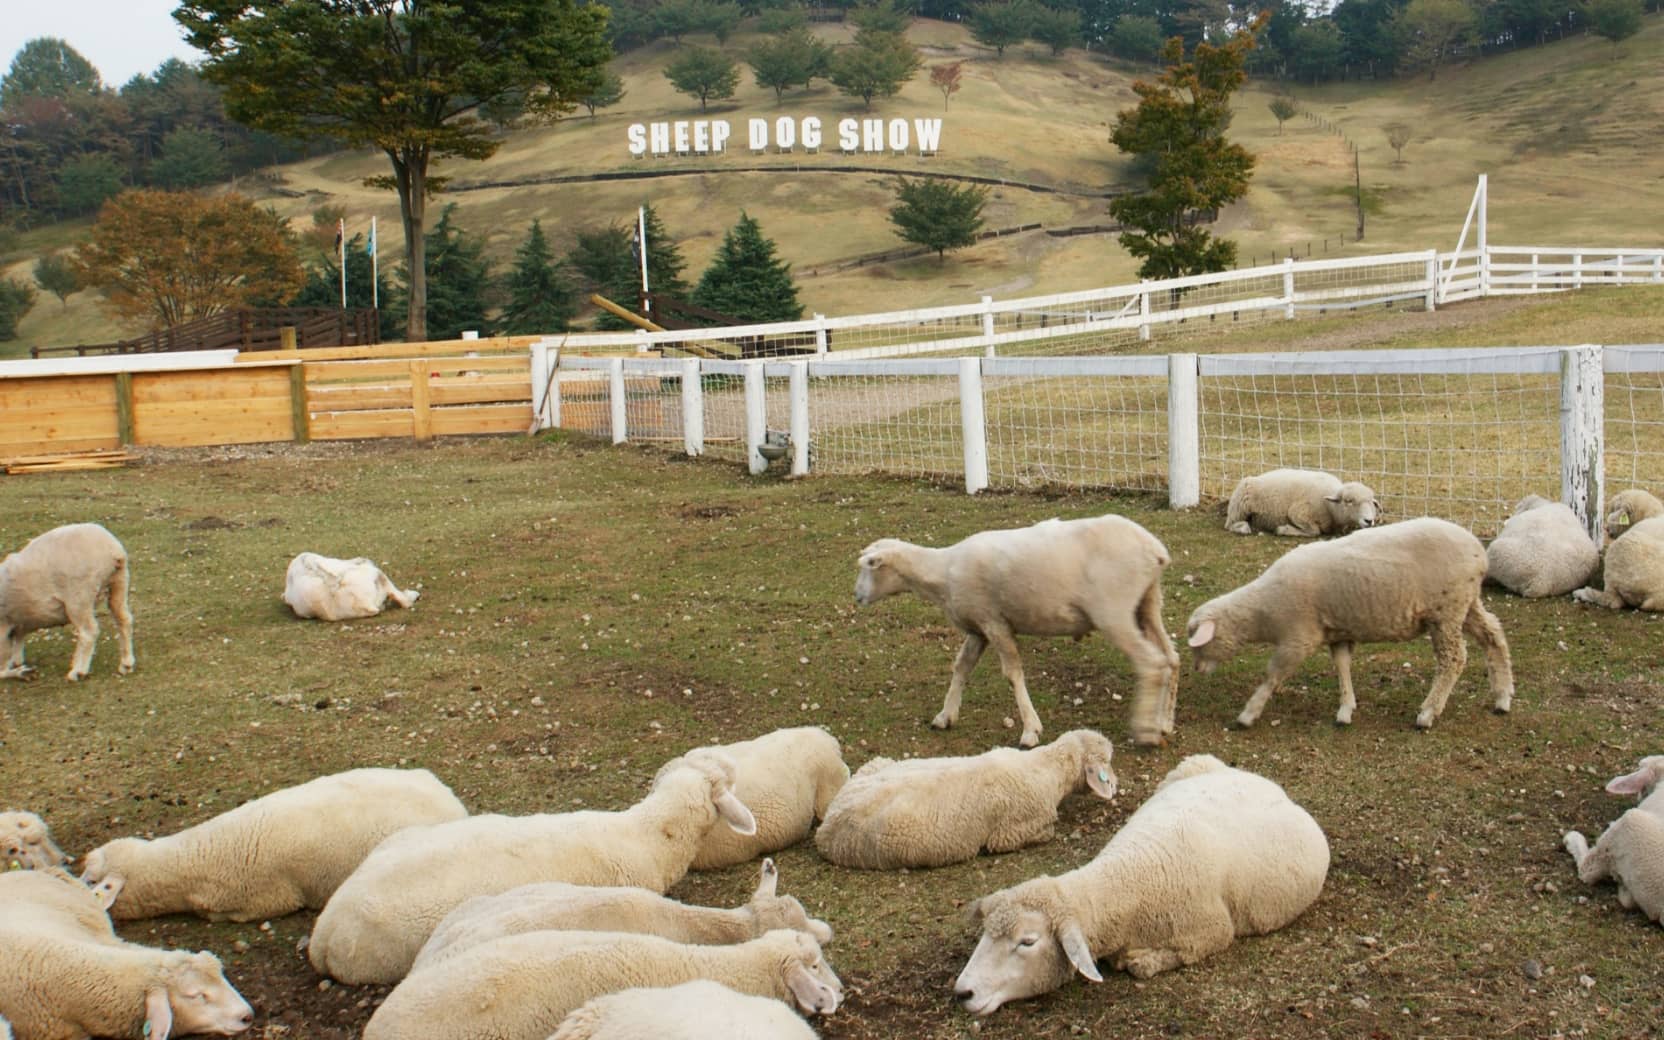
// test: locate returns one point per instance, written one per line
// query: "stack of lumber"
(109, 459)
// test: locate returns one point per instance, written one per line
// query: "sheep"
(694, 1010)
(374, 925)
(272, 856)
(521, 987)
(1300, 503)
(934, 811)
(787, 779)
(1056, 578)
(556, 905)
(1631, 850)
(1385, 584)
(1634, 574)
(1542, 550)
(57, 579)
(340, 590)
(25, 843)
(1628, 508)
(68, 977)
(1215, 853)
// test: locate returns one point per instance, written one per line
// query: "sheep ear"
(1204, 634)
(808, 991)
(1331, 498)
(1077, 950)
(158, 1014)
(1101, 779)
(108, 890)
(735, 814)
(769, 881)
(974, 912)
(1632, 783)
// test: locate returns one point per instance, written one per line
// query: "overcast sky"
(122, 38)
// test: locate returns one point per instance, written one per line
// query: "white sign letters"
(785, 133)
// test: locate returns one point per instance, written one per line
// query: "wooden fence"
(247, 329)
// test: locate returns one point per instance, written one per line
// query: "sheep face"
(776, 911)
(1023, 953)
(1642, 782)
(875, 575)
(101, 875)
(1354, 505)
(813, 986)
(195, 998)
(1210, 645)
(26, 843)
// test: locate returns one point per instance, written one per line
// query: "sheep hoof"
(1028, 740)
(76, 676)
(942, 721)
(1343, 718)
(1240, 527)
(1245, 721)
(1149, 738)
(1424, 720)
(125, 669)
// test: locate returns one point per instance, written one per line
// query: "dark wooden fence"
(251, 329)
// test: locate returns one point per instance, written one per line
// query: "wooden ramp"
(69, 461)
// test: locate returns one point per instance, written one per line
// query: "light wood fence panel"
(219, 406)
(58, 414)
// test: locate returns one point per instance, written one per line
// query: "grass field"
(589, 612)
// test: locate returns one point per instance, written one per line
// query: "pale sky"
(121, 38)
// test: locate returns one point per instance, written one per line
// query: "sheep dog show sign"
(855, 136)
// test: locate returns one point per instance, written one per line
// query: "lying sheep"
(67, 976)
(1214, 854)
(930, 812)
(558, 906)
(373, 927)
(340, 590)
(272, 856)
(1629, 508)
(1634, 574)
(1542, 550)
(1300, 503)
(57, 579)
(695, 1010)
(1631, 850)
(1056, 578)
(521, 987)
(26, 844)
(1386, 584)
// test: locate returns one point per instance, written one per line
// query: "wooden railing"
(247, 330)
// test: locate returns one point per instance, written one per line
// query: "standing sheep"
(1542, 550)
(1634, 574)
(340, 590)
(26, 843)
(1386, 584)
(57, 579)
(934, 811)
(1214, 854)
(1300, 503)
(697, 1010)
(1631, 850)
(272, 856)
(1056, 578)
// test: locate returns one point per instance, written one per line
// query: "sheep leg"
(1284, 663)
(1194, 938)
(85, 623)
(969, 655)
(124, 617)
(1011, 663)
(1599, 597)
(1592, 864)
(1298, 529)
(1450, 656)
(1342, 654)
(1150, 664)
(1020, 834)
(1486, 630)
(1149, 622)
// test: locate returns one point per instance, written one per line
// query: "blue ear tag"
(146, 1028)
(1103, 775)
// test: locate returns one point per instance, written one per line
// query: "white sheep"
(25, 843)
(1542, 550)
(1634, 575)
(1385, 584)
(1214, 854)
(1056, 578)
(340, 590)
(67, 976)
(1300, 503)
(521, 987)
(1631, 850)
(271, 856)
(377, 921)
(930, 812)
(558, 906)
(697, 1010)
(1628, 508)
(57, 579)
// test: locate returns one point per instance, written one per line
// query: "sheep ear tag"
(1101, 781)
(1204, 634)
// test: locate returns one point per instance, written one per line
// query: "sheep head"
(1641, 782)
(1211, 642)
(876, 576)
(716, 772)
(1093, 752)
(193, 996)
(26, 843)
(806, 974)
(772, 911)
(101, 870)
(1354, 506)
(1630, 508)
(1030, 945)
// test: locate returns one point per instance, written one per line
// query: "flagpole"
(375, 276)
(341, 255)
(641, 234)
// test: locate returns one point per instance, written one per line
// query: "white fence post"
(1184, 434)
(1658, 268)
(974, 430)
(1432, 281)
(800, 418)
(615, 381)
(542, 377)
(988, 324)
(756, 417)
(693, 409)
(1577, 273)
(1288, 288)
(1583, 435)
(1485, 272)
(1535, 272)
(820, 333)
(1144, 310)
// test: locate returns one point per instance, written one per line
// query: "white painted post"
(1577, 272)
(1288, 288)
(756, 417)
(1583, 435)
(988, 324)
(1184, 432)
(615, 380)
(1534, 271)
(1432, 282)
(541, 377)
(1658, 268)
(693, 409)
(1144, 311)
(820, 333)
(1484, 242)
(800, 418)
(973, 428)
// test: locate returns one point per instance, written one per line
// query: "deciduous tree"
(1398, 135)
(56, 274)
(608, 91)
(86, 182)
(703, 73)
(947, 79)
(1283, 108)
(877, 65)
(539, 296)
(1136, 37)
(880, 16)
(15, 301)
(1001, 23)
(790, 60)
(1430, 29)
(938, 214)
(1615, 20)
(189, 159)
(747, 280)
(1055, 27)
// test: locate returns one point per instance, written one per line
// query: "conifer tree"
(539, 297)
(458, 281)
(746, 279)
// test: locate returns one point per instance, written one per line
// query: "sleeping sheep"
(1631, 850)
(1542, 550)
(272, 856)
(26, 844)
(1634, 575)
(1056, 578)
(1628, 508)
(340, 590)
(1385, 584)
(1300, 503)
(377, 921)
(1214, 854)
(930, 812)
(697, 1010)
(57, 579)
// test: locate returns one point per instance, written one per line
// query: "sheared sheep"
(521, 987)
(1631, 850)
(377, 921)
(272, 856)
(1628, 508)
(1385, 584)
(1634, 575)
(25, 843)
(1214, 854)
(1056, 578)
(1542, 550)
(57, 579)
(930, 812)
(696, 1010)
(1300, 503)
(340, 590)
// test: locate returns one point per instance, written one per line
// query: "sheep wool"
(57, 579)
(1542, 550)
(1300, 503)
(692, 1011)
(26, 843)
(1634, 574)
(340, 590)
(1631, 850)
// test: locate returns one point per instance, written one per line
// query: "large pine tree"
(608, 261)
(746, 280)
(539, 297)
(458, 281)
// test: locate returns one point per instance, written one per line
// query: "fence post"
(820, 334)
(1658, 268)
(1288, 288)
(542, 378)
(1534, 272)
(300, 416)
(693, 409)
(1184, 440)
(1432, 281)
(124, 407)
(756, 417)
(1577, 278)
(973, 429)
(1583, 435)
(800, 418)
(421, 414)
(615, 395)
(1144, 310)
(988, 324)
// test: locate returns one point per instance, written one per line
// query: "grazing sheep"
(1386, 584)
(340, 590)
(373, 927)
(1631, 850)
(1634, 574)
(1056, 578)
(57, 579)
(930, 812)
(1628, 508)
(272, 856)
(697, 1010)
(1214, 854)
(558, 906)
(25, 843)
(521, 987)
(67, 976)
(1300, 503)
(1542, 550)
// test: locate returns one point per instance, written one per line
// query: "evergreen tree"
(190, 158)
(458, 282)
(539, 297)
(603, 257)
(608, 92)
(47, 67)
(664, 259)
(938, 214)
(703, 73)
(323, 286)
(84, 184)
(746, 280)
(1136, 37)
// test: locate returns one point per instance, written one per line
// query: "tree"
(1615, 20)
(1001, 23)
(1056, 28)
(15, 301)
(85, 183)
(778, 20)
(539, 297)
(746, 280)
(323, 283)
(790, 60)
(1316, 50)
(664, 258)
(1431, 29)
(946, 78)
(189, 159)
(608, 91)
(880, 16)
(417, 79)
(56, 274)
(175, 256)
(1136, 37)
(606, 259)
(1398, 135)
(938, 214)
(47, 67)
(878, 65)
(458, 278)
(1283, 108)
(703, 73)
(720, 19)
